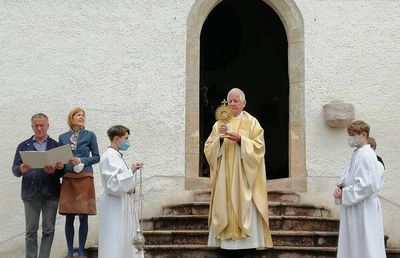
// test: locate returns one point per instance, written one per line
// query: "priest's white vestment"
(361, 226)
(117, 219)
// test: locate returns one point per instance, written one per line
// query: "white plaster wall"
(352, 54)
(123, 62)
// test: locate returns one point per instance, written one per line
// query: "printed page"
(38, 159)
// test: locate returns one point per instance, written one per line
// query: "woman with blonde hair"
(77, 190)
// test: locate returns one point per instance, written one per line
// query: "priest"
(238, 217)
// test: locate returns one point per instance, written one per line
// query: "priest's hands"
(233, 136)
(223, 129)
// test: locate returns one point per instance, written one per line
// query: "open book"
(39, 159)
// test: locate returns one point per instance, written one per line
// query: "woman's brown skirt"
(77, 194)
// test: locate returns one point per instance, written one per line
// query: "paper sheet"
(39, 159)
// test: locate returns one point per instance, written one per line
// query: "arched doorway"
(292, 21)
(243, 44)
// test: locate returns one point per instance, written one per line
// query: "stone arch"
(292, 20)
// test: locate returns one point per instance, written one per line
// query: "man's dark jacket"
(37, 184)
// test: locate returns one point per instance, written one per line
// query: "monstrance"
(223, 115)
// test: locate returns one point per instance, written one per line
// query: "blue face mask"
(124, 145)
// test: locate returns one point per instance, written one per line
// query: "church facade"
(162, 67)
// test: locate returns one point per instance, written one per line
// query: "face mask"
(78, 168)
(353, 141)
(124, 145)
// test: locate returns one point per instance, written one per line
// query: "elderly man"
(40, 189)
(238, 216)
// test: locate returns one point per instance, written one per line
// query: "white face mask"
(78, 168)
(353, 141)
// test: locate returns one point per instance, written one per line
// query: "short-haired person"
(40, 189)
(117, 220)
(238, 216)
(77, 189)
(361, 226)
(371, 141)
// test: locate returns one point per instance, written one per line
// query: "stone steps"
(202, 251)
(200, 222)
(280, 238)
(273, 196)
(275, 208)
(298, 231)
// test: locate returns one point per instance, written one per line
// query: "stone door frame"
(292, 20)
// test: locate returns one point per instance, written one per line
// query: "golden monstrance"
(223, 114)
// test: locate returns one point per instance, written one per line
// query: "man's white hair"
(237, 90)
(39, 115)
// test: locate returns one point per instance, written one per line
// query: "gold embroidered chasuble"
(238, 178)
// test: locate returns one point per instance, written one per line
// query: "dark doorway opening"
(243, 44)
